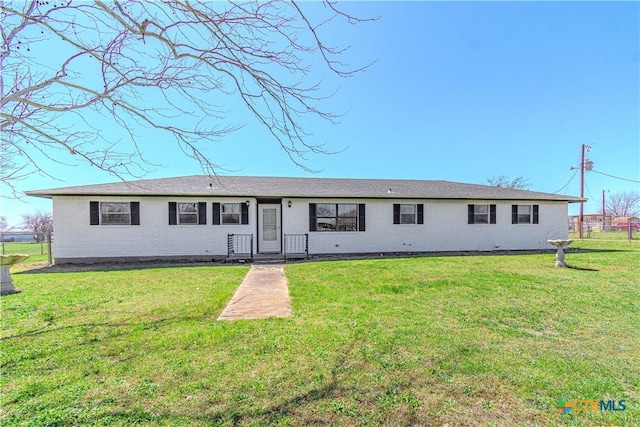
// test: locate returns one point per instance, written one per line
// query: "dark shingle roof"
(254, 186)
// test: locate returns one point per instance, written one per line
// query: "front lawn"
(470, 340)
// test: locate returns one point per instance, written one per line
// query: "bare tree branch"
(89, 82)
(624, 204)
(503, 181)
(40, 223)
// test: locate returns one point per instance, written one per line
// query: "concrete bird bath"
(560, 243)
(6, 261)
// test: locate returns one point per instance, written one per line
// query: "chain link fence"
(26, 243)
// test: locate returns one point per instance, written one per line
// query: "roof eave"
(46, 195)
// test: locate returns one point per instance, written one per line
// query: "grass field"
(34, 250)
(608, 235)
(473, 340)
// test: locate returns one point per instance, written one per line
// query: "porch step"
(268, 258)
(269, 261)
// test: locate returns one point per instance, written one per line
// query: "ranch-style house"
(204, 218)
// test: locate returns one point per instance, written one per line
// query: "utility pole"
(604, 215)
(581, 217)
(583, 166)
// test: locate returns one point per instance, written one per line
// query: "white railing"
(240, 245)
(296, 245)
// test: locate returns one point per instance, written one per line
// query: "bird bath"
(560, 243)
(6, 261)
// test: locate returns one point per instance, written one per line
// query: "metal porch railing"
(240, 246)
(296, 245)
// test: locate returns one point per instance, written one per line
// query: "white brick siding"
(445, 228)
(154, 237)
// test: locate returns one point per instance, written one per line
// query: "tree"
(503, 181)
(41, 224)
(4, 226)
(623, 204)
(73, 72)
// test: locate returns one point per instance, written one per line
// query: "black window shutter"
(420, 213)
(470, 214)
(202, 213)
(396, 213)
(514, 214)
(361, 219)
(94, 213)
(536, 215)
(135, 213)
(492, 214)
(173, 213)
(244, 213)
(312, 217)
(216, 214)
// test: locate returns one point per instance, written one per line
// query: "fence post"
(50, 249)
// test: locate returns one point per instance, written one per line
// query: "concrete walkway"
(262, 293)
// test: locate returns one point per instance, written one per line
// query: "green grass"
(32, 249)
(608, 235)
(473, 340)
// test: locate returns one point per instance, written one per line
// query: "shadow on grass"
(575, 267)
(124, 266)
(234, 416)
(144, 265)
(593, 250)
(145, 324)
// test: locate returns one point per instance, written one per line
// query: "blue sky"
(460, 91)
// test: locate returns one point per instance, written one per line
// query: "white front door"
(269, 228)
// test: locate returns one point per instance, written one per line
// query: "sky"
(459, 91)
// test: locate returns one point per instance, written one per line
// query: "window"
(187, 213)
(230, 213)
(336, 217)
(114, 213)
(408, 214)
(482, 214)
(524, 214)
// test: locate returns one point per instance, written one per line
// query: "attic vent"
(389, 191)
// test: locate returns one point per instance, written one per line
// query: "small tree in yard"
(41, 224)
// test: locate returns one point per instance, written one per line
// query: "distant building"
(18, 236)
(591, 222)
(621, 223)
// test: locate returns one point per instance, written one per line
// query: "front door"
(269, 228)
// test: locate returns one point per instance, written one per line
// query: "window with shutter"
(481, 214)
(336, 217)
(524, 214)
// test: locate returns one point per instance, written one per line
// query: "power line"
(588, 191)
(616, 177)
(568, 182)
(576, 168)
